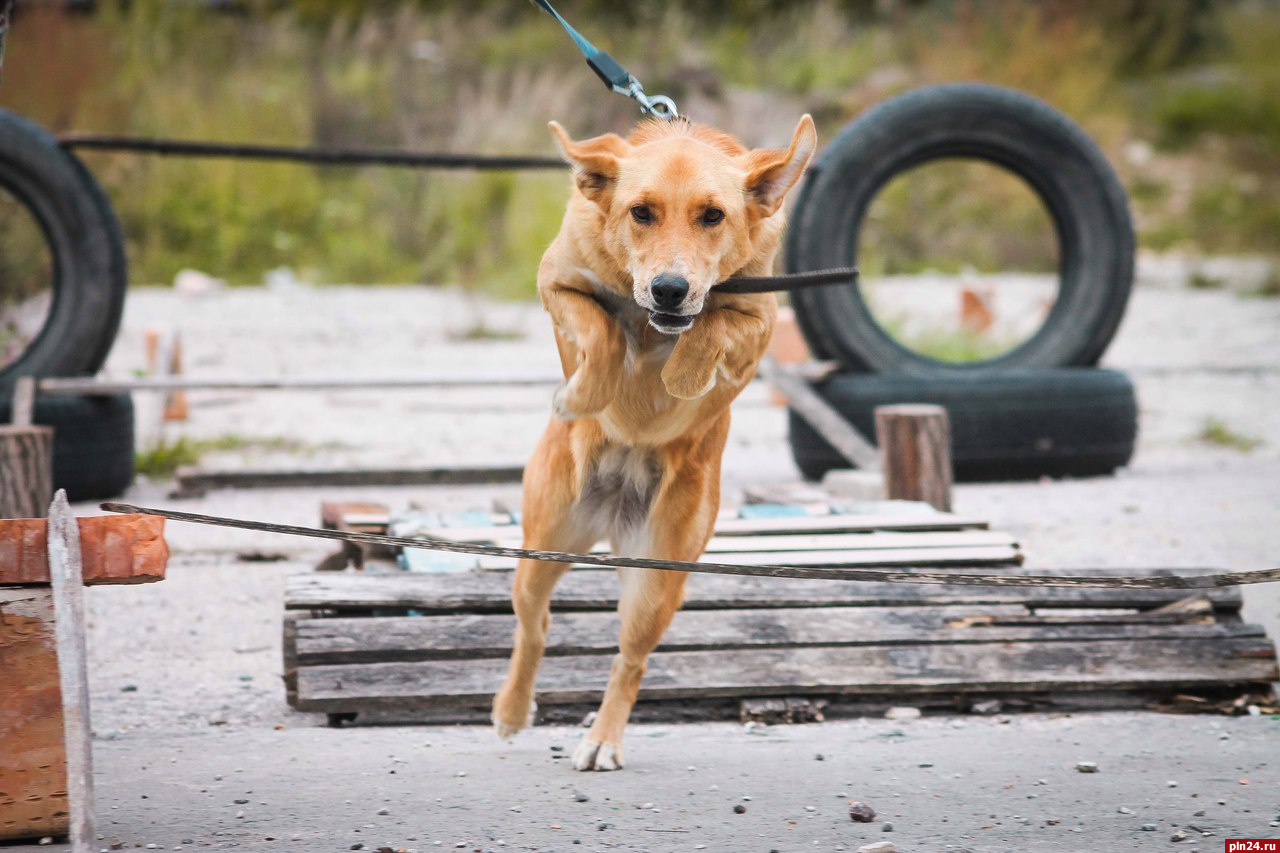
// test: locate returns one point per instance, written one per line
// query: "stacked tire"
(1040, 409)
(93, 439)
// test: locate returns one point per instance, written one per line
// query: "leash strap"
(1209, 581)
(790, 281)
(612, 74)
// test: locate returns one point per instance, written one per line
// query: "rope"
(1204, 581)
(318, 156)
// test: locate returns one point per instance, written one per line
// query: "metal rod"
(1205, 581)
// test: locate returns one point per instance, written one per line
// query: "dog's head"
(681, 206)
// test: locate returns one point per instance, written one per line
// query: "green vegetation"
(1218, 433)
(1179, 93)
(166, 456)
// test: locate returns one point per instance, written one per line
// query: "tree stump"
(26, 471)
(915, 453)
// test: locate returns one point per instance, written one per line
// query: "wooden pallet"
(885, 533)
(433, 645)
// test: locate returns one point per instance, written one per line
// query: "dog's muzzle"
(668, 293)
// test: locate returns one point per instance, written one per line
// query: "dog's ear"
(595, 161)
(772, 172)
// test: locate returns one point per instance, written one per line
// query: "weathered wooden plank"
(115, 549)
(33, 756)
(408, 638)
(873, 541)
(985, 555)
(67, 577)
(865, 670)
(741, 526)
(491, 592)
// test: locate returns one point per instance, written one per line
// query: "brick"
(116, 549)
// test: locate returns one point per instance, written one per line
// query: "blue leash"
(615, 77)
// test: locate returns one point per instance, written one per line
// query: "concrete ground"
(196, 748)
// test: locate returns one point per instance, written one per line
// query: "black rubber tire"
(93, 455)
(1009, 129)
(84, 238)
(1077, 422)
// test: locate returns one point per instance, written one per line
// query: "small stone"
(810, 808)
(192, 841)
(129, 688)
(1087, 766)
(359, 845)
(879, 847)
(819, 757)
(888, 827)
(115, 843)
(48, 839)
(580, 797)
(988, 707)
(1198, 814)
(603, 825)
(241, 802)
(860, 812)
(240, 813)
(1125, 810)
(384, 810)
(1053, 821)
(153, 847)
(555, 747)
(460, 773)
(1171, 784)
(902, 712)
(1148, 827)
(739, 809)
(1179, 836)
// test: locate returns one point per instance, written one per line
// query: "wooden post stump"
(915, 453)
(26, 471)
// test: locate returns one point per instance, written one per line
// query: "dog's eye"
(642, 214)
(712, 216)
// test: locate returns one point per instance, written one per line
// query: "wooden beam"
(67, 576)
(825, 420)
(26, 471)
(915, 453)
(490, 592)
(24, 401)
(116, 549)
(329, 641)
(900, 671)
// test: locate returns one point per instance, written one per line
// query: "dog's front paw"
(510, 717)
(688, 384)
(571, 403)
(591, 755)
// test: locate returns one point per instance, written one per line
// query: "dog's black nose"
(668, 291)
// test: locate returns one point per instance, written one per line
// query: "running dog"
(652, 358)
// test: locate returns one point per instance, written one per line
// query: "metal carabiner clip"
(658, 106)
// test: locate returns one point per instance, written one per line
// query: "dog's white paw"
(508, 730)
(560, 404)
(597, 756)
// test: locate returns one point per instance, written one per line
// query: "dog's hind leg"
(549, 525)
(650, 598)
(513, 706)
(678, 526)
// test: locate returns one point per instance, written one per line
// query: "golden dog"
(652, 358)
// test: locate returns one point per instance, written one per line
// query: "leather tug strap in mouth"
(790, 281)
